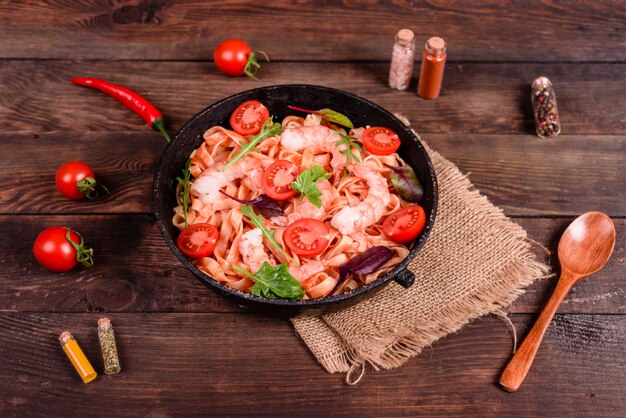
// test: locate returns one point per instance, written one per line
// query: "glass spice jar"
(77, 357)
(433, 64)
(106, 336)
(402, 56)
(545, 109)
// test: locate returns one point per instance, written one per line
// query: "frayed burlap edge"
(408, 341)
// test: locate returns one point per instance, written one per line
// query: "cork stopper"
(436, 45)
(64, 337)
(103, 322)
(405, 35)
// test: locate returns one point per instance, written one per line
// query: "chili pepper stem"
(159, 125)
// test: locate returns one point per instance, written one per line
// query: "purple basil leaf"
(263, 204)
(406, 183)
(365, 263)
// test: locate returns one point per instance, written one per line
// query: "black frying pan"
(361, 112)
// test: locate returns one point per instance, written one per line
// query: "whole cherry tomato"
(59, 249)
(75, 180)
(234, 57)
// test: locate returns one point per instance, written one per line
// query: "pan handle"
(405, 278)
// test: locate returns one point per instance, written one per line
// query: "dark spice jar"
(545, 109)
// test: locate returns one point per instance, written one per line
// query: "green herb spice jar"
(545, 109)
(106, 336)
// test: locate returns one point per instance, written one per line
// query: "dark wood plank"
(136, 272)
(522, 174)
(36, 96)
(336, 30)
(174, 364)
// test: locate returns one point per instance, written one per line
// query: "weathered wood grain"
(522, 174)
(136, 272)
(211, 364)
(36, 96)
(296, 30)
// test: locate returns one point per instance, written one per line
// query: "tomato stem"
(84, 255)
(91, 188)
(252, 66)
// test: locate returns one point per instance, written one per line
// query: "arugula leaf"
(273, 282)
(269, 128)
(257, 221)
(184, 195)
(306, 183)
(406, 183)
(329, 114)
(350, 142)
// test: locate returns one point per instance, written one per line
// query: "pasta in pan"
(356, 198)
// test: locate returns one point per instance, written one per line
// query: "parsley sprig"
(306, 184)
(269, 128)
(273, 282)
(349, 142)
(184, 194)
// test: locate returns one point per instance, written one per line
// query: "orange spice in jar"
(77, 357)
(433, 63)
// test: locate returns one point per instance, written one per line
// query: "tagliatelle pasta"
(356, 199)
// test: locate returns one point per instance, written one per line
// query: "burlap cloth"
(476, 261)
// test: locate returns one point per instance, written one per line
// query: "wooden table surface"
(185, 350)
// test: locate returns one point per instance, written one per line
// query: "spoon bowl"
(584, 248)
(587, 244)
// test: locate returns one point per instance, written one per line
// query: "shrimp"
(351, 219)
(302, 137)
(251, 250)
(303, 272)
(208, 185)
(308, 210)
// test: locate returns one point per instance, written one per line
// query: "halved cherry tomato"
(380, 141)
(277, 180)
(307, 237)
(248, 118)
(198, 240)
(405, 224)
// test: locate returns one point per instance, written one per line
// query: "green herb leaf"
(274, 282)
(328, 114)
(349, 142)
(184, 195)
(306, 183)
(406, 183)
(269, 128)
(257, 221)
(336, 117)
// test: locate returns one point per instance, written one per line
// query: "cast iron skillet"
(362, 112)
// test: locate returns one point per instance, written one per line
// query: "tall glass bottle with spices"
(402, 57)
(433, 63)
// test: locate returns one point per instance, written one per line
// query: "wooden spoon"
(585, 247)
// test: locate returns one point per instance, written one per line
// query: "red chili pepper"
(130, 99)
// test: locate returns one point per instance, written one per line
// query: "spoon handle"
(518, 366)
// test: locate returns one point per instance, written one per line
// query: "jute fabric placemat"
(476, 261)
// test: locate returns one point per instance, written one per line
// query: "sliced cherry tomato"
(248, 118)
(380, 141)
(72, 175)
(53, 250)
(198, 240)
(307, 237)
(405, 224)
(277, 180)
